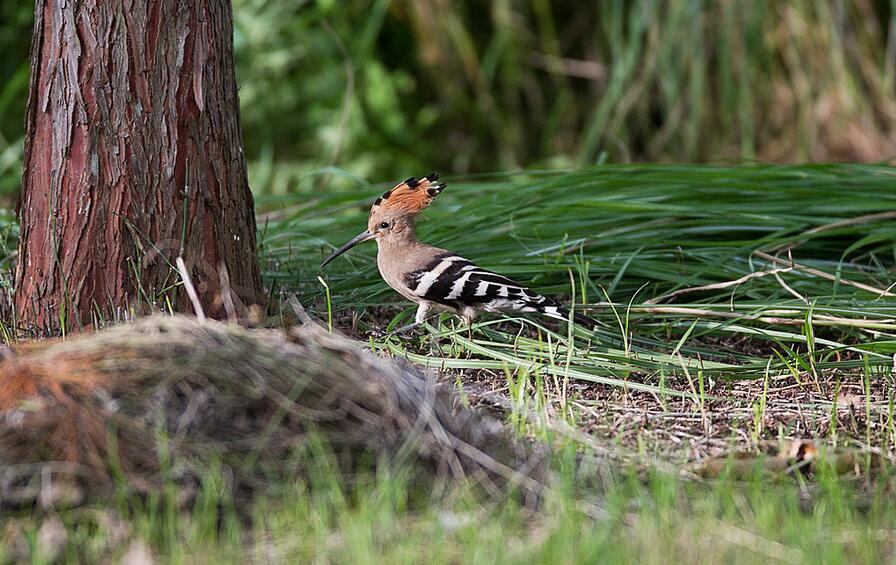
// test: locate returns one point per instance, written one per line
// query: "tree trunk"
(133, 157)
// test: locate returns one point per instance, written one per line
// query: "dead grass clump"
(168, 395)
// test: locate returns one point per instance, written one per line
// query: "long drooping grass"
(798, 258)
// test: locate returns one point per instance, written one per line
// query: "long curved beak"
(360, 238)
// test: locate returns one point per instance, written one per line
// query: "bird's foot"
(404, 331)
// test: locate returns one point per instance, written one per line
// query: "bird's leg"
(422, 312)
(467, 316)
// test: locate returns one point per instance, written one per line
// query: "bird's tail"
(560, 312)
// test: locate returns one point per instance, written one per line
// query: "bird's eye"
(384, 225)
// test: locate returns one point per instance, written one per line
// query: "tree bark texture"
(133, 157)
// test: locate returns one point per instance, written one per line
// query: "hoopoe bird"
(434, 278)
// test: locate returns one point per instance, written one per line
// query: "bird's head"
(393, 213)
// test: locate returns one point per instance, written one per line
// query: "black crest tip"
(433, 176)
(412, 182)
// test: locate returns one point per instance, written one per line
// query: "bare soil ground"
(828, 408)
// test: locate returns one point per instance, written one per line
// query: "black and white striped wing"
(453, 281)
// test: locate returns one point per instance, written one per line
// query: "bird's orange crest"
(410, 196)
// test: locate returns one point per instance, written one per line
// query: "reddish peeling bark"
(132, 158)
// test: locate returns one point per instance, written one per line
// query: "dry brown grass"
(76, 414)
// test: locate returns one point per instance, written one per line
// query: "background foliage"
(384, 89)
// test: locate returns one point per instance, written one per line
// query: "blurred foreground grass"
(652, 518)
